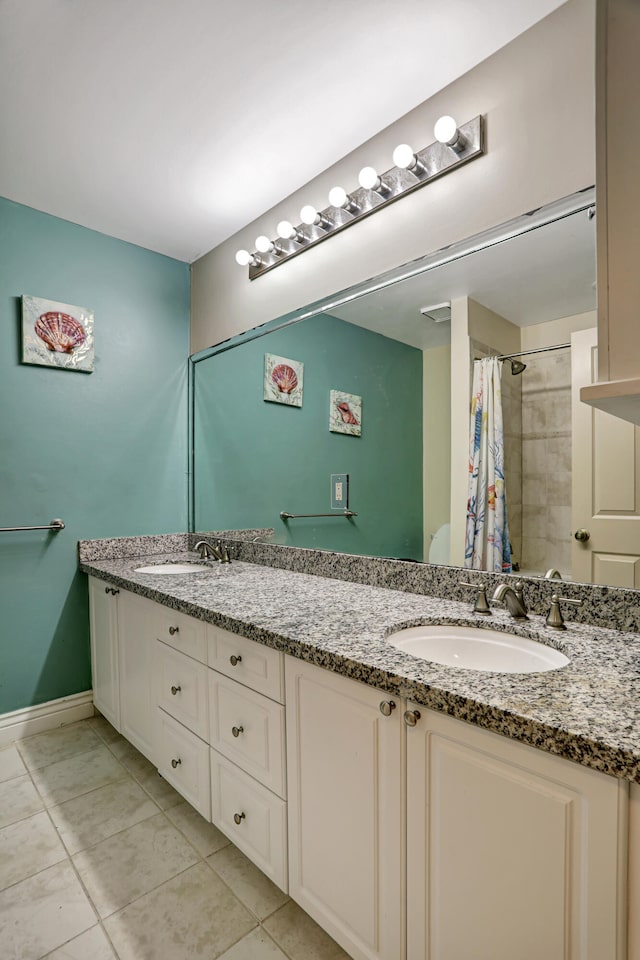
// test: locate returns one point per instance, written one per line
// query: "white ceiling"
(174, 123)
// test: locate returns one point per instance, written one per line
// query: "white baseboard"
(45, 716)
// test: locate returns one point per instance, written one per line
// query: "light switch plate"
(339, 491)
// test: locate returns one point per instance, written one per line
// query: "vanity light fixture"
(453, 146)
(340, 198)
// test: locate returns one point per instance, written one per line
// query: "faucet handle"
(481, 605)
(519, 592)
(554, 617)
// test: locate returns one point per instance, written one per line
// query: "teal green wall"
(106, 451)
(255, 458)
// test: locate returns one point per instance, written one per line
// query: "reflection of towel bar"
(293, 516)
(54, 525)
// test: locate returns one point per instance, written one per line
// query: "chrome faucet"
(514, 603)
(553, 574)
(208, 552)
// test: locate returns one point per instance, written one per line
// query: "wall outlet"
(339, 491)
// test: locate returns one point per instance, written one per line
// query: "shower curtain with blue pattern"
(487, 544)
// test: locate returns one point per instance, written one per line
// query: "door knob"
(236, 731)
(582, 535)
(386, 707)
(239, 817)
(411, 717)
(234, 661)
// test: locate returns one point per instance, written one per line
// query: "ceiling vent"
(438, 313)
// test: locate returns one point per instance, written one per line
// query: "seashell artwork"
(345, 413)
(283, 380)
(57, 334)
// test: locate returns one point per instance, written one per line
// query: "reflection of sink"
(166, 568)
(477, 648)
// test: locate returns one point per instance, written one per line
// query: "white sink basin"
(477, 648)
(167, 568)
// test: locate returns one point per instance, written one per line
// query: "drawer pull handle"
(235, 660)
(386, 707)
(111, 590)
(411, 717)
(175, 690)
(236, 731)
(239, 817)
(173, 631)
(175, 763)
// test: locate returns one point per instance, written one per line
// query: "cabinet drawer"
(183, 760)
(182, 632)
(249, 730)
(251, 816)
(181, 688)
(258, 667)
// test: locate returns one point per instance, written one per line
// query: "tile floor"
(101, 859)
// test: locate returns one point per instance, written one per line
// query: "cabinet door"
(512, 852)
(344, 761)
(137, 629)
(103, 612)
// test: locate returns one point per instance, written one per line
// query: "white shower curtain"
(487, 542)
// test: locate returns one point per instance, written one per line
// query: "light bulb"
(263, 244)
(286, 230)
(337, 197)
(310, 215)
(243, 257)
(368, 178)
(446, 131)
(403, 156)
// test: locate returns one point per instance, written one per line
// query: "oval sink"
(167, 568)
(477, 648)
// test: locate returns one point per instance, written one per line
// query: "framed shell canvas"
(57, 334)
(345, 413)
(283, 380)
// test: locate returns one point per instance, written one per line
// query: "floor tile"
(248, 883)
(18, 799)
(54, 745)
(160, 791)
(255, 946)
(130, 864)
(103, 728)
(86, 820)
(92, 945)
(192, 917)
(26, 847)
(11, 764)
(135, 762)
(300, 937)
(43, 912)
(77, 775)
(202, 835)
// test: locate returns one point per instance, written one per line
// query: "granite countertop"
(588, 711)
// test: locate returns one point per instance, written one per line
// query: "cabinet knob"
(175, 763)
(236, 731)
(582, 535)
(175, 690)
(111, 590)
(239, 817)
(411, 717)
(386, 707)
(173, 631)
(234, 661)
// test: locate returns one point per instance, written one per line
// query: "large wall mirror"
(405, 343)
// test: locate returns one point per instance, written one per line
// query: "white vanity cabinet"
(511, 852)
(247, 737)
(103, 618)
(345, 786)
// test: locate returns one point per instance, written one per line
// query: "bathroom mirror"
(403, 344)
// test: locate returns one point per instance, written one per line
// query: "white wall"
(537, 95)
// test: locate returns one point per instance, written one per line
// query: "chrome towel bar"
(294, 516)
(55, 525)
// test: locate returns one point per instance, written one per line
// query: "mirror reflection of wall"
(412, 365)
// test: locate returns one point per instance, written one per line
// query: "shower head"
(517, 367)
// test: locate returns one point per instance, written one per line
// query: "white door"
(136, 628)
(512, 853)
(103, 612)
(345, 773)
(606, 482)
